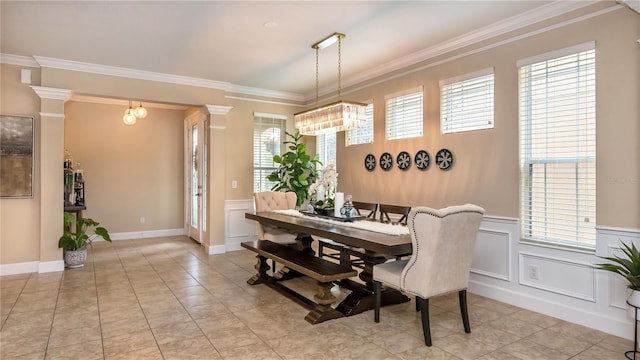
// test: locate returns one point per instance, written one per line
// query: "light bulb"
(129, 118)
(140, 112)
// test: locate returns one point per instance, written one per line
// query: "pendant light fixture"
(129, 117)
(140, 112)
(337, 116)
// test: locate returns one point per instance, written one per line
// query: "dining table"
(378, 247)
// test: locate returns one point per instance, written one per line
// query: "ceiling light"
(129, 117)
(337, 116)
(140, 112)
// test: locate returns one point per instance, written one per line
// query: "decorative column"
(51, 175)
(216, 175)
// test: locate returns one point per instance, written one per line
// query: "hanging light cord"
(317, 81)
(339, 66)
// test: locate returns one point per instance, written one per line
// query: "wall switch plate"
(142, 219)
(234, 184)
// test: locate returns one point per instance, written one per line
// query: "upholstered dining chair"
(274, 200)
(443, 242)
(366, 209)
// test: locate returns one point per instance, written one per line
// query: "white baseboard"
(32, 267)
(51, 266)
(215, 249)
(561, 311)
(19, 268)
(144, 234)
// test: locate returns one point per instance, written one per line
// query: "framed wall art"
(16, 156)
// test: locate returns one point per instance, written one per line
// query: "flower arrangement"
(323, 191)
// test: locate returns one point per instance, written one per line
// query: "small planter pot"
(634, 301)
(75, 258)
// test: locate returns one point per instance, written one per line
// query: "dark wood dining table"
(378, 248)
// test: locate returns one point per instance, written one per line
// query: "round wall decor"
(422, 160)
(386, 161)
(370, 162)
(404, 160)
(444, 159)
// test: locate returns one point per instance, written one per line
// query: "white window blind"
(326, 148)
(558, 149)
(363, 134)
(268, 134)
(404, 115)
(466, 103)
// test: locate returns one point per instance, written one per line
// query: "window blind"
(467, 104)
(404, 115)
(363, 134)
(326, 148)
(558, 149)
(268, 134)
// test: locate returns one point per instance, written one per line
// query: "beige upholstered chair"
(274, 200)
(443, 243)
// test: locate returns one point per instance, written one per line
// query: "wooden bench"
(323, 271)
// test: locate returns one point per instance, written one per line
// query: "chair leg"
(462, 296)
(377, 289)
(417, 304)
(424, 310)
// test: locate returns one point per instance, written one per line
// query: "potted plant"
(322, 193)
(297, 170)
(628, 267)
(74, 240)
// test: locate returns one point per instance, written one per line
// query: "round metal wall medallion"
(422, 160)
(404, 160)
(444, 159)
(386, 161)
(370, 162)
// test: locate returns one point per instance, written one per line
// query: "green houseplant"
(629, 268)
(74, 239)
(296, 170)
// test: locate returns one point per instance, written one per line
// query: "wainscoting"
(550, 280)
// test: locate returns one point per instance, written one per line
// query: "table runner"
(389, 229)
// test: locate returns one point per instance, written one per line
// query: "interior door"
(195, 175)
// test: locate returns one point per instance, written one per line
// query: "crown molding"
(161, 77)
(218, 109)
(19, 60)
(502, 27)
(52, 93)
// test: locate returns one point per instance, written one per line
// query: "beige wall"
(486, 162)
(129, 171)
(20, 218)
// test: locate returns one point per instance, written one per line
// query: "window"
(404, 115)
(326, 148)
(466, 103)
(558, 147)
(363, 134)
(268, 134)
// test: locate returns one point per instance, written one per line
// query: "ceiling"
(258, 44)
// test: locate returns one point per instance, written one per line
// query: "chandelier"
(336, 116)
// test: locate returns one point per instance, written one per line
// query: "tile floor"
(165, 299)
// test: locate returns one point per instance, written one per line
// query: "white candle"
(338, 201)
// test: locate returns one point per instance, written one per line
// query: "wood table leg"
(323, 310)
(261, 267)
